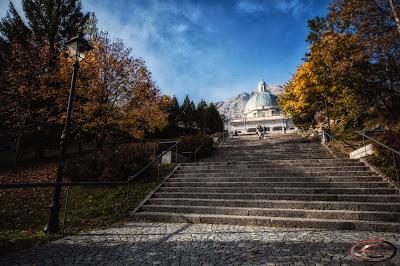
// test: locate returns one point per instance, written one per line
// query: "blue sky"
(210, 49)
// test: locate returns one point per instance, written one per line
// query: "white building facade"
(261, 109)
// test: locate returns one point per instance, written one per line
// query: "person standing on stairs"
(259, 132)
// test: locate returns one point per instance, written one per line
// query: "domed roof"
(260, 100)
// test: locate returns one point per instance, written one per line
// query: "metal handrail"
(195, 152)
(329, 135)
(51, 184)
(224, 138)
(130, 178)
(362, 133)
(336, 140)
(69, 184)
(95, 183)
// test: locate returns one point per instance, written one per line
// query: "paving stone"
(140, 243)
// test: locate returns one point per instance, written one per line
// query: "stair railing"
(393, 151)
(194, 153)
(157, 159)
(126, 183)
(225, 137)
(328, 137)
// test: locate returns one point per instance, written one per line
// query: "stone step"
(258, 151)
(280, 190)
(215, 184)
(266, 161)
(299, 213)
(258, 154)
(274, 196)
(248, 149)
(270, 165)
(277, 174)
(304, 146)
(255, 151)
(267, 157)
(269, 145)
(274, 169)
(333, 162)
(277, 179)
(238, 148)
(281, 204)
(269, 221)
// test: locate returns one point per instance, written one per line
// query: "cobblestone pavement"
(139, 243)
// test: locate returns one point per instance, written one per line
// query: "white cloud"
(180, 28)
(247, 6)
(162, 35)
(292, 6)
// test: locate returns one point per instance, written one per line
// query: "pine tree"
(188, 115)
(214, 121)
(173, 116)
(201, 114)
(12, 27)
(90, 28)
(54, 21)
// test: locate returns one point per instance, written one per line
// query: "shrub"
(192, 142)
(384, 158)
(110, 164)
(389, 137)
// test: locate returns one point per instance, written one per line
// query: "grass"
(24, 212)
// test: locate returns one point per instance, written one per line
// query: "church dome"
(261, 100)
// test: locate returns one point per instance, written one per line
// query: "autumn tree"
(373, 24)
(29, 104)
(351, 70)
(33, 46)
(115, 94)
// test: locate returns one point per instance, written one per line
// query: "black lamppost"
(77, 47)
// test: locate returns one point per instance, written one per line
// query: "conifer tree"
(188, 115)
(214, 120)
(173, 116)
(12, 27)
(201, 114)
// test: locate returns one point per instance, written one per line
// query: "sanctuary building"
(261, 109)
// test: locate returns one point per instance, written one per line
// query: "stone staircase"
(280, 181)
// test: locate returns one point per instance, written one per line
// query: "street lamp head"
(78, 47)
